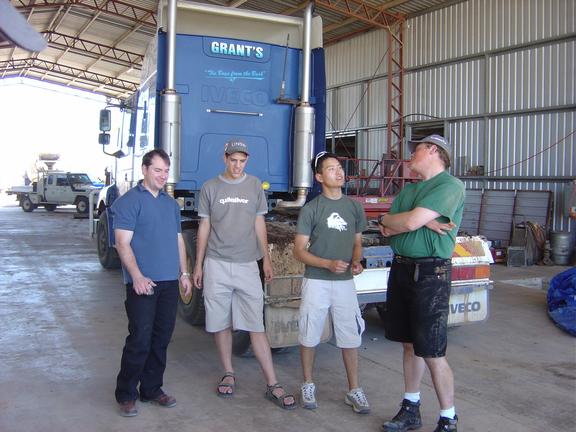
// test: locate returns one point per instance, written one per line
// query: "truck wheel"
(381, 308)
(50, 207)
(242, 346)
(191, 307)
(82, 205)
(107, 255)
(241, 343)
(27, 205)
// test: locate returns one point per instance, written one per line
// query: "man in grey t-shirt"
(231, 239)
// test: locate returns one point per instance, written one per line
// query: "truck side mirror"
(104, 138)
(130, 142)
(105, 120)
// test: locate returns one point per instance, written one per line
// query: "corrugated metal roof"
(98, 45)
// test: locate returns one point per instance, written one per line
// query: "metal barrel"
(560, 243)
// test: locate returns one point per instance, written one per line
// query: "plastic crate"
(516, 256)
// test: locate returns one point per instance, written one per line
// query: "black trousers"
(151, 320)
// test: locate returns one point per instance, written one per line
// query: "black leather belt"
(417, 262)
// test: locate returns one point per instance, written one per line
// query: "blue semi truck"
(214, 73)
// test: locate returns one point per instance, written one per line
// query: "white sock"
(448, 413)
(412, 397)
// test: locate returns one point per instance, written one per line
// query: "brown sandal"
(226, 394)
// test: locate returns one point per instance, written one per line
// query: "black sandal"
(226, 386)
(280, 400)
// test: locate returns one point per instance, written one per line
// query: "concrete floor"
(63, 327)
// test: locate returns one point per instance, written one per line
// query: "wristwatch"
(380, 220)
(185, 274)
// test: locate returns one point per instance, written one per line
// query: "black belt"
(428, 260)
(417, 262)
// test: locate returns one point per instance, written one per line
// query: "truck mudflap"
(469, 303)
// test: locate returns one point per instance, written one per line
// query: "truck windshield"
(79, 180)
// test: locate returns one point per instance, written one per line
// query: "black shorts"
(417, 304)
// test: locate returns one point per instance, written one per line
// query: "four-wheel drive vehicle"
(54, 188)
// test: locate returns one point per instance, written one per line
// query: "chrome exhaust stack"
(171, 109)
(302, 176)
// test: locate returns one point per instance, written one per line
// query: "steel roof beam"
(105, 52)
(67, 72)
(236, 3)
(112, 7)
(362, 11)
(78, 34)
(116, 42)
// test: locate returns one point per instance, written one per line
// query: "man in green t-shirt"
(329, 242)
(422, 226)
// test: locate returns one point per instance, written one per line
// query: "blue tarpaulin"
(562, 300)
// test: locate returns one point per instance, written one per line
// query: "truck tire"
(241, 344)
(82, 205)
(191, 307)
(381, 309)
(242, 347)
(107, 255)
(50, 207)
(27, 205)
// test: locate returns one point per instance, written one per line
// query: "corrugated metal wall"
(479, 26)
(502, 73)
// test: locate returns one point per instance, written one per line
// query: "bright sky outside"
(37, 117)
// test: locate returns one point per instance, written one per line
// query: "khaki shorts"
(233, 296)
(337, 297)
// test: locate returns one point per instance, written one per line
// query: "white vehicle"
(55, 188)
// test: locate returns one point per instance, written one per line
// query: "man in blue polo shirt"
(150, 245)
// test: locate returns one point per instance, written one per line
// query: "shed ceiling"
(99, 45)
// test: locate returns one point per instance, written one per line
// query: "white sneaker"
(308, 396)
(357, 400)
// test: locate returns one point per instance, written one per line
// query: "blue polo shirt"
(155, 222)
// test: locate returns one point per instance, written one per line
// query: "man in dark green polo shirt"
(422, 226)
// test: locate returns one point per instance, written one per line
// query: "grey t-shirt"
(232, 207)
(332, 226)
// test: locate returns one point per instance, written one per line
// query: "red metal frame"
(375, 182)
(390, 172)
(395, 130)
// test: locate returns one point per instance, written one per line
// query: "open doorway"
(345, 146)
(342, 145)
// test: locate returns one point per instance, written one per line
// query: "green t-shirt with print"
(443, 194)
(332, 226)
